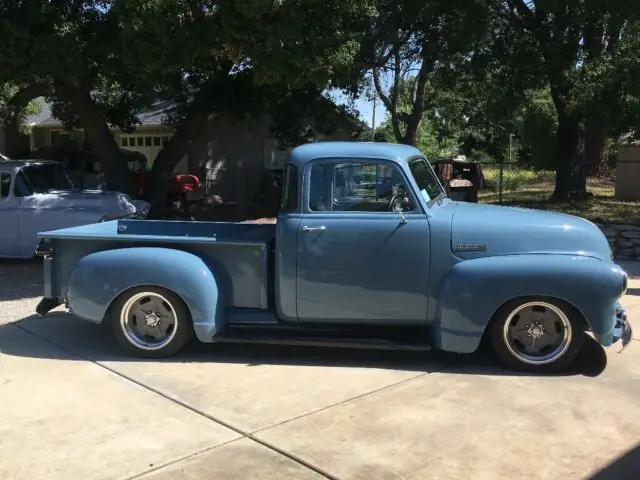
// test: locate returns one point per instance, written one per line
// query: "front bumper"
(622, 330)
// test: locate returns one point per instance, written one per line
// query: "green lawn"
(533, 189)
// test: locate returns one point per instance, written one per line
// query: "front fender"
(99, 278)
(473, 290)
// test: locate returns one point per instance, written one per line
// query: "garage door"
(148, 145)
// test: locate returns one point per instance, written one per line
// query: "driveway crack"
(245, 434)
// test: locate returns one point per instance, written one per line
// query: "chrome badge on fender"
(471, 247)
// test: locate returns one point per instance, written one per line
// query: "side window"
(289, 200)
(5, 184)
(357, 186)
(21, 187)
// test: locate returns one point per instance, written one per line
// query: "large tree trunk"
(117, 174)
(168, 158)
(16, 144)
(411, 134)
(570, 178)
(173, 152)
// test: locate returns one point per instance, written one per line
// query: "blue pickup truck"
(367, 252)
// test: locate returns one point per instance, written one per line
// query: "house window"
(289, 188)
(5, 185)
(356, 186)
(134, 141)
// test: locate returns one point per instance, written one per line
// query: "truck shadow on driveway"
(625, 467)
(79, 340)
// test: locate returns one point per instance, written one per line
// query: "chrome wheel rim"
(537, 333)
(148, 321)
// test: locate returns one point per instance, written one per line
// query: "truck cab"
(367, 251)
(358, 226)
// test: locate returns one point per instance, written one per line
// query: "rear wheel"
(151, 322)
(537, 335)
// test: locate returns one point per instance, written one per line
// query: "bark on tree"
(117, 174)
(412, 119)
(178, 146)
(570, 177)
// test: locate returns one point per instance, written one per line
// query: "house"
(233, 157)
(148, 138)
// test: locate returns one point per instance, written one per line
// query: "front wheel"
(537, 335)
(151, 322)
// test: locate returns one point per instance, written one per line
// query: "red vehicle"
(183, 189)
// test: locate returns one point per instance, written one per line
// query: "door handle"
(321, 228)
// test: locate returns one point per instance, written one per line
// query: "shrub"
(516, 178)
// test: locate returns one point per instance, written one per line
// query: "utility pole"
(373, 120)
(502, 169)
(501, 179)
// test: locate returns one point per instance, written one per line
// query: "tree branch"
(421, 83)
(22, 97)
(390, 103)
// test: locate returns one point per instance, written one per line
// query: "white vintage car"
(38, 196)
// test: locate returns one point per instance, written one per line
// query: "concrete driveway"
(72, 408)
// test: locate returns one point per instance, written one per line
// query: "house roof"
(45, 117)
(153, 115)
(150, 116)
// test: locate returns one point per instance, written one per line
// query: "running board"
(343, 338)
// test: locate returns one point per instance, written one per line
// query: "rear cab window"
(290, 187)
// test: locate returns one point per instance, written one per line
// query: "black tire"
(125, 323)
(508, 349)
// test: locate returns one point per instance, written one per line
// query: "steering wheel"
(396, 199)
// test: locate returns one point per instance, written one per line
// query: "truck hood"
(488, 230)
(95, 200)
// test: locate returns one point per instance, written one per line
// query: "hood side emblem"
(471, 247)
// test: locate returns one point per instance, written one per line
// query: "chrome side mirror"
(398, 209)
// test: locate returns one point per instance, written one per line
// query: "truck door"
(358, 261)
(8, 218)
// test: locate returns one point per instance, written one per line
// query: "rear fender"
(474, 290)
(99, 278)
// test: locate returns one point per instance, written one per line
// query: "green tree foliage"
(101, 61)
(433, 136)
(579, 50)
(537, 130)
(10, 113)
(412, 39)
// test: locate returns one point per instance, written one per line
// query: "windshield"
(46, 177)
(428, 183)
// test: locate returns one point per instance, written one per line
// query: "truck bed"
(239, 254)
